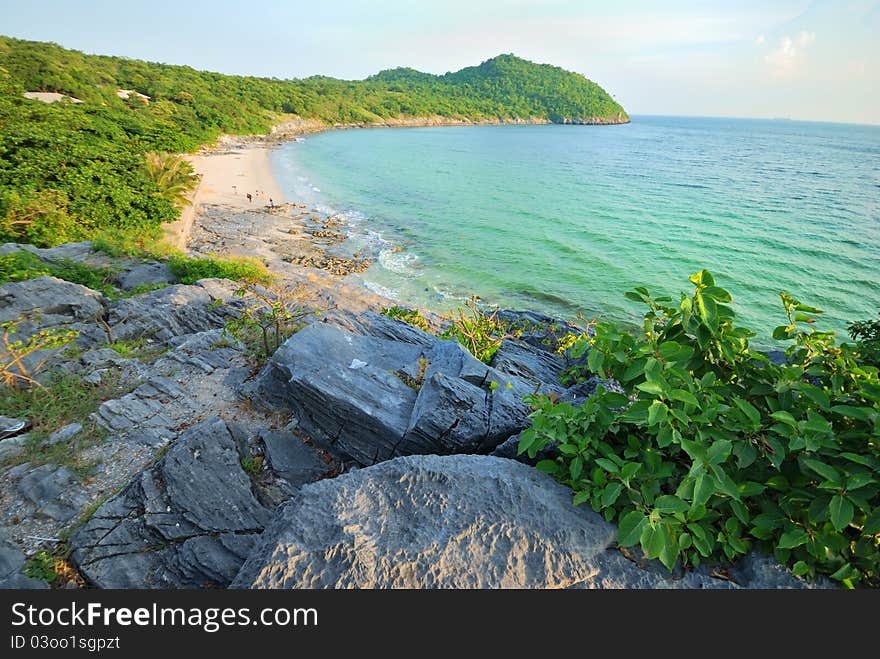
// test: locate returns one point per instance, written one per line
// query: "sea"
(566, 219)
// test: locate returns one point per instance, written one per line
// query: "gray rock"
(447, 522)
(12, 447)
(363, 397)
(54, 492)
(54, 301)
(43, 484)
(370, 323)
(174, 311)
(343, 389)
(291, 459)
(188, 522)
(12, 564)
(147, 273)
(64, 434)
(528, 362)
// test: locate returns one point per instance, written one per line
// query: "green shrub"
(411, 316)
(866, 334)
(481, 333)
(712, 449)
(248, 270)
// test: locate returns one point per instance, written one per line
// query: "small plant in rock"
(411, 316)
(415, 383)
(480, 332)
(14, 369)
(41, 566)
(271, 315)
(252, 465)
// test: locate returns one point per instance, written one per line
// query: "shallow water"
(564, 219)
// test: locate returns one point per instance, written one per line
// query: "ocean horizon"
(565, 219)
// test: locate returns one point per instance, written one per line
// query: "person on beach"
(271, 203)
(249, 198)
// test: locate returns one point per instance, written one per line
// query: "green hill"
(69, 170)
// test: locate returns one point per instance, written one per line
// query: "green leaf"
(841, 512)
(657, 413)
(653, 540)
(858, 481)
(576, 467)
(799, 569)
(595, 360)
(629, 470)
(872, 523)
(784, 417)
(749, 410)
(718, 294)
(792, 539)
(671, 504)
(610, 494)
(651, 387)
(860, 413)
(607, 465)
(581, 497)
(547, 466)
(704, 487)
(629, 531)
(684, 397)
(568, 449)
(825, 471)
(671, 351)
(858, 459)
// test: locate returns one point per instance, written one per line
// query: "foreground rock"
(189, 522)
(12, 565)
(454, 522)
(400, 391)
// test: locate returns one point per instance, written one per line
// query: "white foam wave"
(383, 291)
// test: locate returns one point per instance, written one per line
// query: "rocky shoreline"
(364, 453)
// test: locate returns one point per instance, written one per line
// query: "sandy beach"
(228, 173)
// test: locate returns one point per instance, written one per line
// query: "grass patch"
(138, 349)
(22, 265)
(252, 465)
(244, 269)
(64, 399)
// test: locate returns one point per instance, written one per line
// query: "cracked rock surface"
(188, 522)
(463, 521)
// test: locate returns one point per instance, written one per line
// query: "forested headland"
(71, 170)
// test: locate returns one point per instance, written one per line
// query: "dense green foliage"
(713, 449)
(866, 334)
(69, 170)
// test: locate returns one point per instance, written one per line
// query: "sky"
(798, 59)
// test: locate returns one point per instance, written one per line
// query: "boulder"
(369, 399)
(188, 522)
(55, 492)
(174, 311)
(12, 564)
(53, 301)
(524, 360)
(291, 459)
(145, 273)
(450, 522)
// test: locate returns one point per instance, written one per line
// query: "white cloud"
(760, 39)
(786, 59)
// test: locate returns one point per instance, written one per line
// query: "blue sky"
(800, 59)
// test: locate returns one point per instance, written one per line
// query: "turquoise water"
(564, 219)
